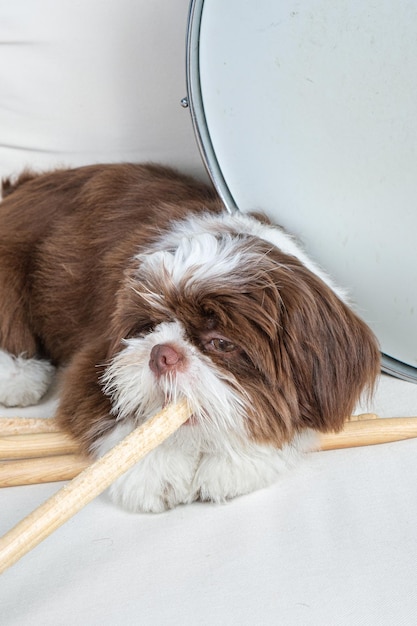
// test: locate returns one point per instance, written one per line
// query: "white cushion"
(93, 81)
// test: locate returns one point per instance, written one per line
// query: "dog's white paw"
(23, 382)
(145, 489)
(160, 481)
(220, 478)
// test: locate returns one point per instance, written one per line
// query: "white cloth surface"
(84, 81)
(333, 543)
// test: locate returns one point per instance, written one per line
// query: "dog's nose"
(164, 358)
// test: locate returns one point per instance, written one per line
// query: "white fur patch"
(200, 228)
(202, 257)
(23, 381)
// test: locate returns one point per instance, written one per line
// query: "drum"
(307, 111)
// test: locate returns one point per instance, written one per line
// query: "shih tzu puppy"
(144, 290)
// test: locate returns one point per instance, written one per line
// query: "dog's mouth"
(192, 420)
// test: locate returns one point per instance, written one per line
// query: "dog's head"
(255, 340)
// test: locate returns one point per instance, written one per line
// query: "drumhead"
(307, 112)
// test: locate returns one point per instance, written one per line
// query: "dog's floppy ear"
(332, 354)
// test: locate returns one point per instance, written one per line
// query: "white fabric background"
(93, 80)
(335, 542)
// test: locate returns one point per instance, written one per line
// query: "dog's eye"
(221, 345)
(141, 329)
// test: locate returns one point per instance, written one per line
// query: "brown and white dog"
(138, 282)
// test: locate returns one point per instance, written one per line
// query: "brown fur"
(66, 246)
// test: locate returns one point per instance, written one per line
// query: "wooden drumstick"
(27, 425)
(370, 432)
(36, 425)
(47, 469)
(363, 416)
(89, 484)
(36, 445)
